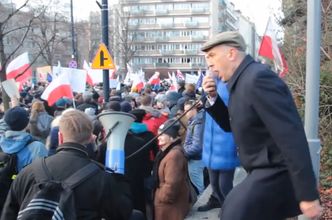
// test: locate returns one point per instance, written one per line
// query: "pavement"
(212, 214)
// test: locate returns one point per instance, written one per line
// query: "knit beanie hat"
(173, 131)
(125, 106)
(17, 118)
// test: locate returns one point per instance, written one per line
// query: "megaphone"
(116, 125)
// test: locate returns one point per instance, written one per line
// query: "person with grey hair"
(102, 195)
(268, 132)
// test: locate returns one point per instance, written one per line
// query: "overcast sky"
(257, 10)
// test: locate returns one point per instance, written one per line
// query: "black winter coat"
(104, 195)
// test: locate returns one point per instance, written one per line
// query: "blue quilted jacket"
(219, 150)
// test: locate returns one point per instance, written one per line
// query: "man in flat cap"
(268, 133)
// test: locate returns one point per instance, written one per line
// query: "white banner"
(11, 88)
(191, 78)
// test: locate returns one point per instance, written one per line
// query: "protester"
(103, 195)
(40, 121)
(268, 133)
(193, 144)
(170, 173)
(17, 141)
(153, 117)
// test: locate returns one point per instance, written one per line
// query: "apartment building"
(167, 34)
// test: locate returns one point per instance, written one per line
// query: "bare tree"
(125, 35)
(9, 30)
(48, 36)
(295, 24)
(295, 50)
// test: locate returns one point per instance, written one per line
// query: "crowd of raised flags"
(64, 81)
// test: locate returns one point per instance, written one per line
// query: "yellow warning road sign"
(102, 59)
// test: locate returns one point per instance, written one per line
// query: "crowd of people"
(160, 177)
(159, 181)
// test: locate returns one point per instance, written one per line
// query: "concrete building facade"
(169, 33)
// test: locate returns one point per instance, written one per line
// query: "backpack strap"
(40, 170)
(81, 175)
(43, 174)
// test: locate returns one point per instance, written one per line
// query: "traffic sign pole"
(104, 25)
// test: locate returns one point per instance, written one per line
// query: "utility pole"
(73, 55)
(104, 27)
(312, 83)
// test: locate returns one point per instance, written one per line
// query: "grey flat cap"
(230, 38)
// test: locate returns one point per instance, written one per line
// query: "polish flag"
(94, 76)
(174, 84)
(154, 80)
(58, 88)
(179, 75)
(269, 49)
(138, 84)
(19, 69)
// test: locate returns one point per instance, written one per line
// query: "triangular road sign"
(102, 59)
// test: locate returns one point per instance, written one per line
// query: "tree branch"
(34, 60)
(22, 40)
(325, 53)
(14, 12)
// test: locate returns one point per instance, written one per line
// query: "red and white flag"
(179, 75)
(154, 80)
(94, 76)
(138, 83)
(58, 88)
(174, 84)
(269, 48)
(19, 69)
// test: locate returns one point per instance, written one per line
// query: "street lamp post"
(73, 55)
(312, 84)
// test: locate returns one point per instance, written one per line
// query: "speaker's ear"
(116, 125)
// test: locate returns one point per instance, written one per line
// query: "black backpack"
(8, 171)
(53, 199)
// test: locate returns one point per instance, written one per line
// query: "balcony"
(231, 14)
(231, 25)
(161, 64)
(161, 39)
(199, 11)
(161, 12)
(129, 1)
(191, 52)
(147, 53)
(167, 52)
(168, 25)
(133, 26)
(198, 38)
(191, 24)
(137, 12)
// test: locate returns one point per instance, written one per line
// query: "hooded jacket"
(22, 143)
(193, 143)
